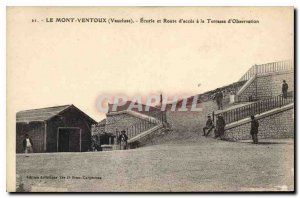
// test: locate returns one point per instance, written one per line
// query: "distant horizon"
(143, 102)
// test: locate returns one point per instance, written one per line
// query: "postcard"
(150, 99)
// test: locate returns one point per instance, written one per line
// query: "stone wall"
(119, 122)
(267, 85)
(157, 137)
(278, 125)
(97, 130)
(193, 121)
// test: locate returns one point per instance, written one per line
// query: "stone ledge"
(145, 133)
(259, 116)
(107, 147)
(275, 73)
(246, 85)
(249, 82)
(135, 114)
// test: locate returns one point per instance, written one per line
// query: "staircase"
(261, 96)
(264, 81)
(149, 123)
(255, 108)
(287, 65)
(251, 104)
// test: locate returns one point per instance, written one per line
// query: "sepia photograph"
(150, 99)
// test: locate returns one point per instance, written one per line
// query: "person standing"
(209, 126)
(254, 129)
(219, 99)
(27, 144)
(220, 127)
(123, 140)
(285, 88)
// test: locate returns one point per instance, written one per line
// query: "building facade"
(54, 129)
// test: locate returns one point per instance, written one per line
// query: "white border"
(4, 3)
(148, 3)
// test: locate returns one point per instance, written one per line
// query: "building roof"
(43, 114)
(101, 123)
(126, 106)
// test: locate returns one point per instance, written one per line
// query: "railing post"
(248, 110)
(140, 127)
(234, 115)
(256, 69)
(255, 108)
(280, 101)
(129, 132)
(117, 136)
(134, 129)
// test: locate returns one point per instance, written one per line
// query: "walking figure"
(254, 129)
(27, 144)
(209, 126)
(122, 139)
(285, 88)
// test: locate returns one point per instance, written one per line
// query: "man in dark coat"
(254, 129)
(219, 99)
(123, 140)
(220, 127)
(209, 126)
(27, 144)
(285, 88)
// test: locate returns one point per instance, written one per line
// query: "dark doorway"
(107, 138)
(69, 140)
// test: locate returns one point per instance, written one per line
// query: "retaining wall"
(279, 124)
(268, 85)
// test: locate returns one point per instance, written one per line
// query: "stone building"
(100, 137)
(98, 128)
(132, 121)
(125, 119)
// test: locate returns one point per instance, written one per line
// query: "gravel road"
(201, 164)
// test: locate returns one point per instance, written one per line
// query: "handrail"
(256, 108)
(144, 125)
(155, 113)
(145, 133)
(286, 65)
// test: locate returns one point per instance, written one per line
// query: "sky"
(50, 64)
